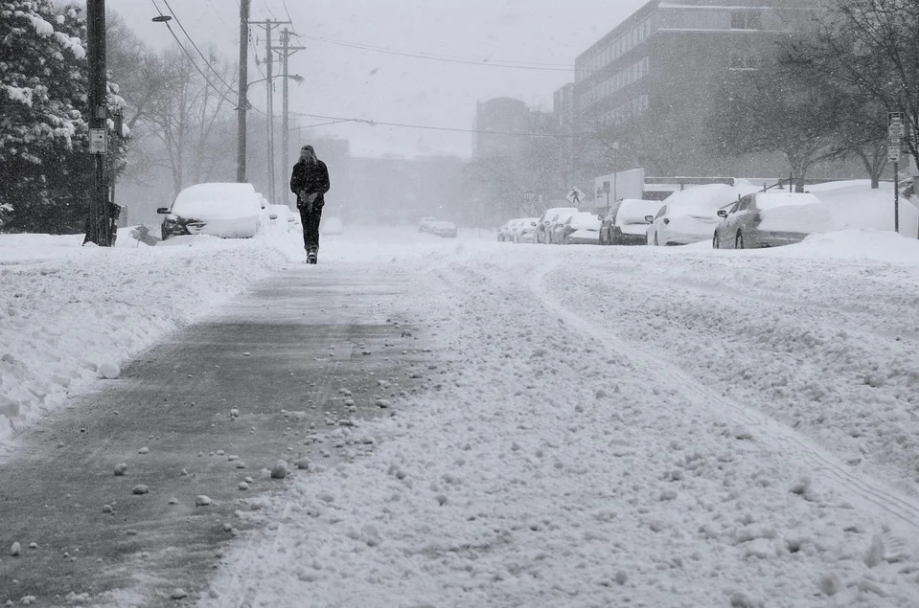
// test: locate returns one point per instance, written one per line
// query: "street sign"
(893, 152)
(97, 141)
(894, 135)
(575, 196)
(894, 124)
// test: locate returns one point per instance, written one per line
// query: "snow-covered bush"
(45, 167)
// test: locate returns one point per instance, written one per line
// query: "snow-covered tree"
(45, 165)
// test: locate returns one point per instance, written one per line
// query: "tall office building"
(664, 64)
(496, 123)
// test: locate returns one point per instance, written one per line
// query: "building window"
(746, 20)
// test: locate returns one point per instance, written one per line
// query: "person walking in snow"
(310, 181)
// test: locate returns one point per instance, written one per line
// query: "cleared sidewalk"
(303, 353)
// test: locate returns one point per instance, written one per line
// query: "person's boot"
(311, 256)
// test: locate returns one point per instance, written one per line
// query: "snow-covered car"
(443, 228)
(543, 225)
(525, 232)
(606, 222)
(557, 226)
(281, 216)
(629, 226)
(690, 215)
(770, 219)
(332, 225)
(581, 228)
(223, 209)
(506, 231)
(425, 224)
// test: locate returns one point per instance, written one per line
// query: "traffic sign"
(575, 196)
(893, 153)
(97, 141)
(894, 135)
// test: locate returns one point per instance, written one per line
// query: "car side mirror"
(666, 220)
(722, 213)
(163, 210)
(649, 219)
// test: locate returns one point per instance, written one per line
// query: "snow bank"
(70, 314)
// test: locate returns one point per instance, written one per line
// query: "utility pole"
(286, 51)
(243, 102)
(269, 88)
(98, 225)
(269, 25)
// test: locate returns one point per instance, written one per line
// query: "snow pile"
(70, 315)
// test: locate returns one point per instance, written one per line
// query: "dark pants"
(310, 221)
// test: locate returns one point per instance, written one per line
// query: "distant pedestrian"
(310, 181)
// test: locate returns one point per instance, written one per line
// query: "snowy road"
(658, 427)
(646, 427)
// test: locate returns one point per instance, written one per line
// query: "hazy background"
(364, 83)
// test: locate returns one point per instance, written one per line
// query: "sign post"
(894, 137)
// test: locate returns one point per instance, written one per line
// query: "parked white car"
(690, 215)
(443, 228)
(629, 225)
(581, 228)
(770, 219)
(224, 209)
(525, 231)
(544, 223)
(282, 217)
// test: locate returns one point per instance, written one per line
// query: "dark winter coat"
(311, 177)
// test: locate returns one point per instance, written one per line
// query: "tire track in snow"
(871, 493)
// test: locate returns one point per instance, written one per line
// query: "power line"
(215, 11)
(374, 123)
(192, 60)
(206, 61)
(271, 12)
(550, 67)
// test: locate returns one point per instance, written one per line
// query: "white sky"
(367, 84)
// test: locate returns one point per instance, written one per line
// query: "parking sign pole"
(894, 138)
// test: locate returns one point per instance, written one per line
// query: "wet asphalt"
(306, 351)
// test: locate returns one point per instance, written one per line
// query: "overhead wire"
(551, 67)
(192, 60)
(195, 46)
(374, 123)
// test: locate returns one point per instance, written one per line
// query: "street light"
(295, 77)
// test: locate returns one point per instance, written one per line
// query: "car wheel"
(716, 242)
(738, 241)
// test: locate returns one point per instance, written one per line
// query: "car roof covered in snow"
(706, 199)
(634, 210)
(218, 199)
